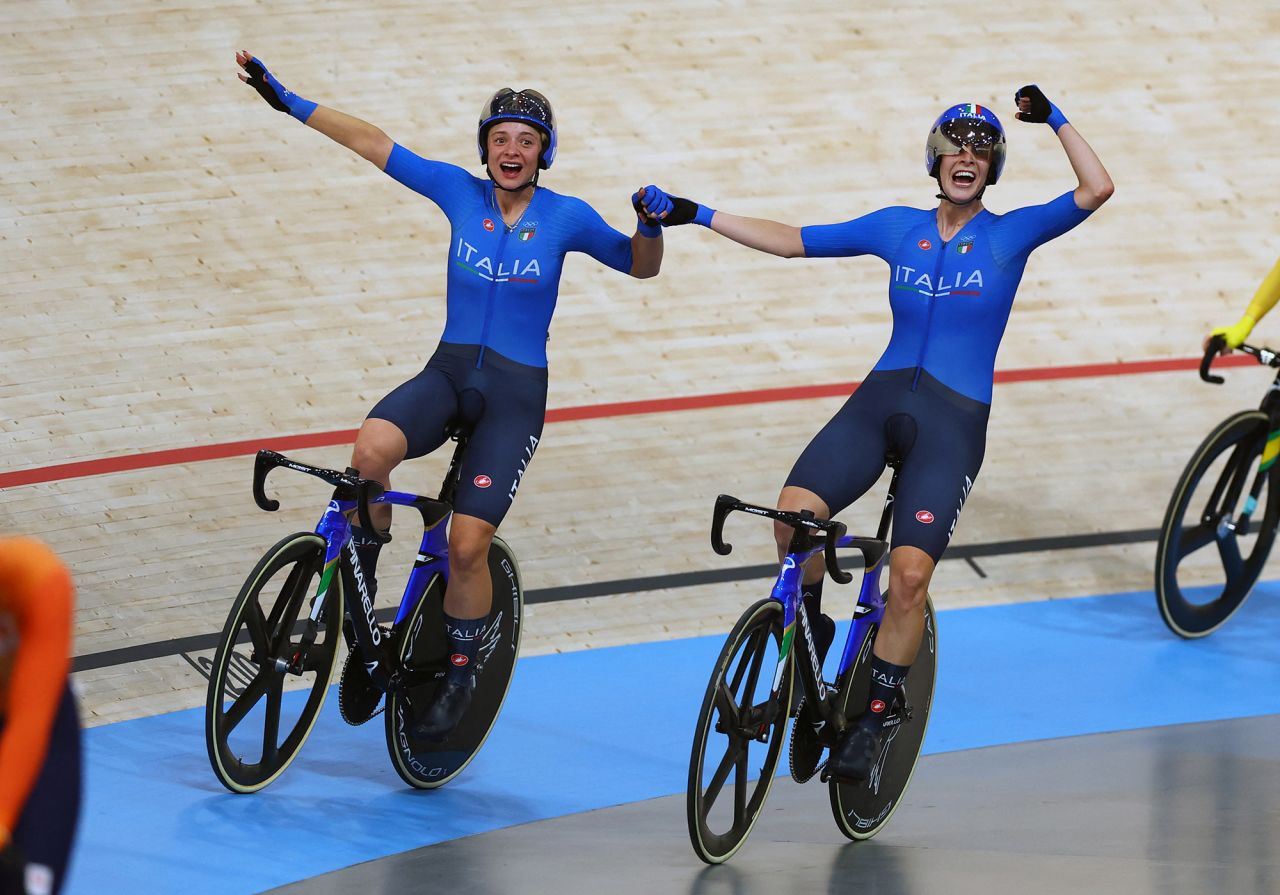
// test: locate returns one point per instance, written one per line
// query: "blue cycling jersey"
(503, 281)
(950, 300)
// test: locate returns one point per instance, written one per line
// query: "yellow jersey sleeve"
(1263, 301)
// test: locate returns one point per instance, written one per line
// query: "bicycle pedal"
(827, 777)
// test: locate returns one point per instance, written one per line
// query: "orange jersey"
(36, 599)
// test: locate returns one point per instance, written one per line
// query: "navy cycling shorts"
(940, 435)
(47, 824)
(504, 400)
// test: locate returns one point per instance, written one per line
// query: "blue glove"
(1038, 109)
(274, 93)
(651, 204)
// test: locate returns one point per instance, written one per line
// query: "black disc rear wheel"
(861, 810)
(422, 656)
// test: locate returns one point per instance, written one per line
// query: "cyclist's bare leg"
(897, 642)
(470, 590)
(793, 500)
(466, 606)
(910, 570)
(380, 447)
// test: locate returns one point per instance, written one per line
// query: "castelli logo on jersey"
(488, 225)
(924, 516)
(458, 659)
(925, 244)
(877, 705)
(482, 481)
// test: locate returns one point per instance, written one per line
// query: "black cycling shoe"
(443, 715)
(855, 756)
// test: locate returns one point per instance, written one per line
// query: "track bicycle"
(275, 639)
(1227, 497)
(741, 725)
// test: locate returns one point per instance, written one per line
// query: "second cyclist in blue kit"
(953, 274)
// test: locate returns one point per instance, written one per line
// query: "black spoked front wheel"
(861, 810)
(738, 740)
(422, 652)
(1218, 529)
(253, 727)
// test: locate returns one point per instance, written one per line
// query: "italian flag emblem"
(526, 234)
(966, 246)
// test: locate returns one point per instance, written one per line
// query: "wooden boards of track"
(184, 267)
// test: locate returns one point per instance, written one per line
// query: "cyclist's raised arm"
(361, 137)
(756, 233)
(1095, 186)
(1263, 301)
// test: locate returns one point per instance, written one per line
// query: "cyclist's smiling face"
(964, 174)
(513, 152)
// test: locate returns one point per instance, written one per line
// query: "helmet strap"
(942, 194)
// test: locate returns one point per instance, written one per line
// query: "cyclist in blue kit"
(954, 270)
(506, 252)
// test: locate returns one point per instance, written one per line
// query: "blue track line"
(605, 727)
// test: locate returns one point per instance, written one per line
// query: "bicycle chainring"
(358, 695)
(806, 744)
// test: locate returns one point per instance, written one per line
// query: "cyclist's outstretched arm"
(361, 137)
(1263, 301)
(1094, 183)
(756, 233)
(761, 234)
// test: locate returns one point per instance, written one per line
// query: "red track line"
(563, 414)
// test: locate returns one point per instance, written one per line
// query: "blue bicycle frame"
(787, 588)
(868, 611)
(353, 494)
(433, 553)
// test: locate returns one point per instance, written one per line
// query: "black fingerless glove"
(1040, 109)
(684, 211)
(274, 92)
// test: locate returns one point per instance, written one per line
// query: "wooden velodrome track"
(185, 268)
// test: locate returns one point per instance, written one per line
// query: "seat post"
(894, 462)
(460, 433)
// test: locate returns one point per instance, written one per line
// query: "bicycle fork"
(342, 561)
(1219, 510)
